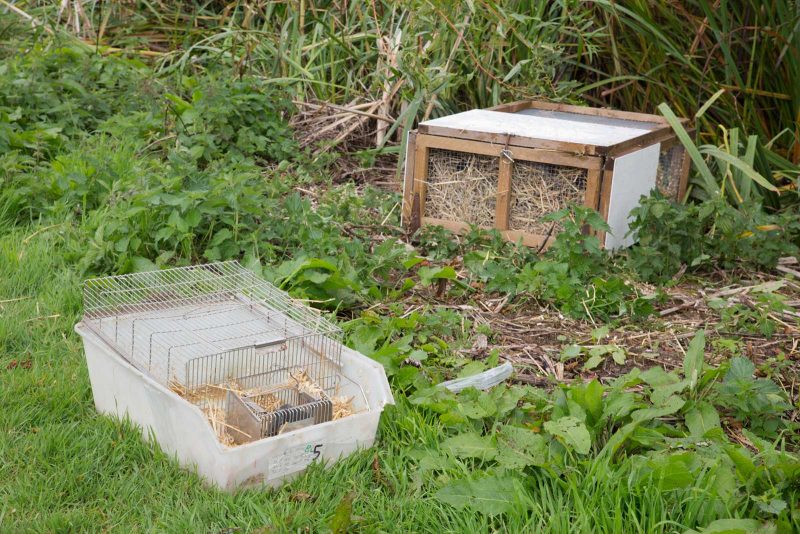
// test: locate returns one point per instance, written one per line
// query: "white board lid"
(548, 125)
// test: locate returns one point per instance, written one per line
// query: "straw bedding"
(539, 189)
(211, 399)
(461, 187)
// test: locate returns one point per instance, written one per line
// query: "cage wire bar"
(189, 327)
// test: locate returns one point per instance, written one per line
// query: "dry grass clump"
(462, 187)
(216, 418)
(342, 407)
(300, 380)
(203, 393)
(539, 189)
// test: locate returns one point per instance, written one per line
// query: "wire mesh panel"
(192, 326)
(538, 189)
(461, 187)
(668, 172)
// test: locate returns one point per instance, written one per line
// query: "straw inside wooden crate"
(538, 189)
(461, 187)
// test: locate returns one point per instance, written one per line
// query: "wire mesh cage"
(192, 326)
(223, 338)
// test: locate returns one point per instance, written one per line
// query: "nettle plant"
(221, 118)
(575, 274)
(707, 235)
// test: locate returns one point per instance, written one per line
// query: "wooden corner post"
(502, 212)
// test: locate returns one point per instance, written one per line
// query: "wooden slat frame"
(408, 179)
(605, 195)
(554, 157)
(502, 212)
(414, 196)
(514, 107)
(529, 240)
(515, 141)
(420, 180)
(597, 160)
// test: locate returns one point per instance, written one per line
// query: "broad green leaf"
(491, 495)
(599, 333)
(477, 404)
(472, 368)
(572, 433)
(507, 398)
(618, 404)
(593, 399)
(725, 484)
(592, 362)
(418, 356)
(693, 360)
(140, 265)
(661, 393)
(770, 506)
(429, 274)
(671, 472)
(740, 369)
(670, 406)
(220, 237)
(192, 217)
(432, 461)
(365, 338)
(745, 466)
(412, 261)
(701, 419)
(656, 376)
(570, 351)
(176, 221)
(519, 447)
(471, 445)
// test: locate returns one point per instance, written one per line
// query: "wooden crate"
(508, 166)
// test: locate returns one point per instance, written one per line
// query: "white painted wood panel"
(634, 176)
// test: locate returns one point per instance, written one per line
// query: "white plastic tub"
(181, 429)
